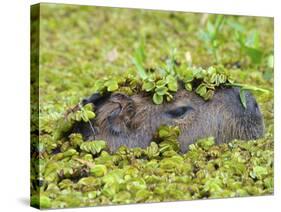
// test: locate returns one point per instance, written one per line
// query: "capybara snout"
(133, 120)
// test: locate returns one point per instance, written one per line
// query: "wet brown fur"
(132, 121)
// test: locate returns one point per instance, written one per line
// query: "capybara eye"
(179, 111)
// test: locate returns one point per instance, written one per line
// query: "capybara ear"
(120, 119)
(96, 99)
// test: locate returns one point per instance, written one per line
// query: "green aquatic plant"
(82, 177)
(212, 36)
(201, 81)
(93, 147)
(84, 173)
(249, 42)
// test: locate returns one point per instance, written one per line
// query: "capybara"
(133, 120)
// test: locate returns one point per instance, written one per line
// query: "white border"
(14, 106)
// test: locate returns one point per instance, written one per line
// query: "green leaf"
(157, 99)
(201, 90)
(139, 59)
(169, 164)
(221, 79)
(90, 114)
(172, 83)
(213, 78)
(93, 147)
(169, 97)
(206, 143)
(111, 85)
(161, 83)
(78, 115)
(254, 54)
(236, 26)
(88, 107)
(258, 172)
(252, 40)
(240, 37)
(148, 86)
(98, 85)
(213, 185)
(122, 197)
(140, 51)
(211, 29)
(188, 86)
(209, 94)
(211, 70)
(98, 170)
(188, 76)
(219, 23)
(243, 98)
(250, 87)
(84, 116)
(70, 153)
(170, 144)
(161, 90)
(45, 202)
(136, 184)
(76, 139)
(141, 71)
(152, 150)
(142, 195)
(168, 131)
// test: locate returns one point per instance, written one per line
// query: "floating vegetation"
(88, 175)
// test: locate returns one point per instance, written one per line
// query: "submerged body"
(132, 121)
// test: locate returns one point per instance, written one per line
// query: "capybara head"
(133, 120)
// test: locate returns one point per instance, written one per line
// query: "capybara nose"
(252, 108)
(252, 105)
